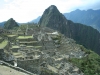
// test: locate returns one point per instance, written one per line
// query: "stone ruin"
(50, 51)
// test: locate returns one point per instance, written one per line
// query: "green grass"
(28, 42)
(24, 37)
(89, 65)
(37, 46)
(3, 44)
(11, 35)
(15, 47)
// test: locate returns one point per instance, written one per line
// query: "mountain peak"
(52, 7)
(11, 19)
(53, 18)
(10, 24)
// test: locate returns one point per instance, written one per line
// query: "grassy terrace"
(24, 37)
(3, 44)
(17, 55)
(37, 46)
(11, 35)
(28, 42)
(34, 46)
(15, 47)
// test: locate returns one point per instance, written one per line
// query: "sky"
(26, 10)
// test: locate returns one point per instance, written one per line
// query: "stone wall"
(1, 53)
(17, 68)
(29, 65)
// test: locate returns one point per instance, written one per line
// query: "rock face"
(82, 34)
(10, 24)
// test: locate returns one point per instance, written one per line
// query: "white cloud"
(27, 10)
(6, 0)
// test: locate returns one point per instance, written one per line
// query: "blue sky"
(27, 10)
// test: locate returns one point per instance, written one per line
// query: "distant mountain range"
(36, 20)
(82, 34)
(2, 24)
(89, 17)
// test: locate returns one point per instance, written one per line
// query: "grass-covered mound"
(89, 65)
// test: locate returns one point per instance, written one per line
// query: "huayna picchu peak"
(82, 34)
(54, 19)
(52, 8)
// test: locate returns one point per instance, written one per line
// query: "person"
(24, 34)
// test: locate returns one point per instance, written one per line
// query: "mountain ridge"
(88, 17)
